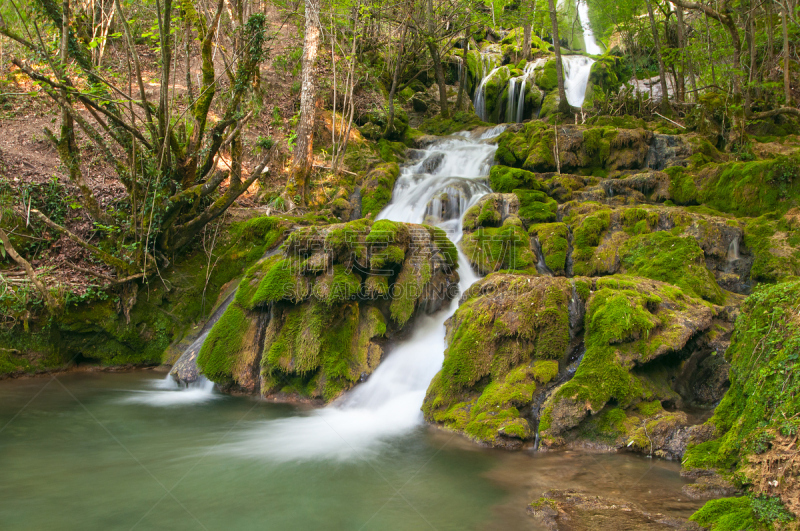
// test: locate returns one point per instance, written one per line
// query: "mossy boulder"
(740, 188)
(553, 244)
(494, 237)
(312, 320)
(580, 148)
(630, 323)
(547, 78)
(377, 187)
(504, 344)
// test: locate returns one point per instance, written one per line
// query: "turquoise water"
(78, 452)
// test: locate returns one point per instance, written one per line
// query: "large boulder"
(312, 320)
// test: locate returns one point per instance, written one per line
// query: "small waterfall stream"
(388, 404)
(577, 67)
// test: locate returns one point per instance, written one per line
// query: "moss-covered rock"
(580, 148)
(376, 190)
(740, 188)
(553, 243)
(504, 346)
(311, 321)
(494, 238)
(630, 323)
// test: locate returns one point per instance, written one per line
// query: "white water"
(388, 404)
(168, 392)
(578, 67)
(588, 34)
(480, 97)
(576, 77)
(515, 108)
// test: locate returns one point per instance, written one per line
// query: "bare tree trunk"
(682, 45)
(438, 69)
(526, 42)
(787, 89)
(563, 104)
(462, 78)
(396, 76)
(661, 70)
(49, 301)
(303, 150)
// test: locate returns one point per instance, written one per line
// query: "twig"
(667, 119)
(331, 169)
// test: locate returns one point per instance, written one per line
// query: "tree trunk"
(661, 70)
(563, 104)
(526, 43)
(303, 149)
(395, 76)
(438, 69)
(787, 89)
(682, 45)
(462, 78)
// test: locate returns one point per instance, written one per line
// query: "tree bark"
(303, 149)
(462, 78)
(787, 89)
(661, 70)
(438, 69)
(681, 88)
(526, 42)
(49, 301)
(563, 104)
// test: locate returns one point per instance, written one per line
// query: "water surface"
(89, 451)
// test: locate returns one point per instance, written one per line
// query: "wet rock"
(667, 151)
(432, 163)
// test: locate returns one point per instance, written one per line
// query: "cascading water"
(479, 102)
(168, 392)
(576, 77)
(578, 67)
(388, 404)
(515, 109)
(588, 34)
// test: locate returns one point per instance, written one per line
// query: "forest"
(543, 226)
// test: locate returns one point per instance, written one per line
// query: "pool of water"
(106, 451)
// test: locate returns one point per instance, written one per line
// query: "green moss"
(461, 121)
(548, 79)
(536, 206)
(674, 259)
(505, 180)
(776, 249)
(376, 191)
(505, 340)
(741, 188)
(338, 285)
(586, 237)
(279, 282)
(726, 514)
(407, 289)
(553, 240)
(445, 246)
(502, 248)
(221, 348)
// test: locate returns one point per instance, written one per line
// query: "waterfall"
(515, 108)
(167, 392)
(480, 97)
(576, 77)
(588, 35)
(578, 67)
(388, 404)
(511, 105)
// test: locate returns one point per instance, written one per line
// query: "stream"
(77, 453)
